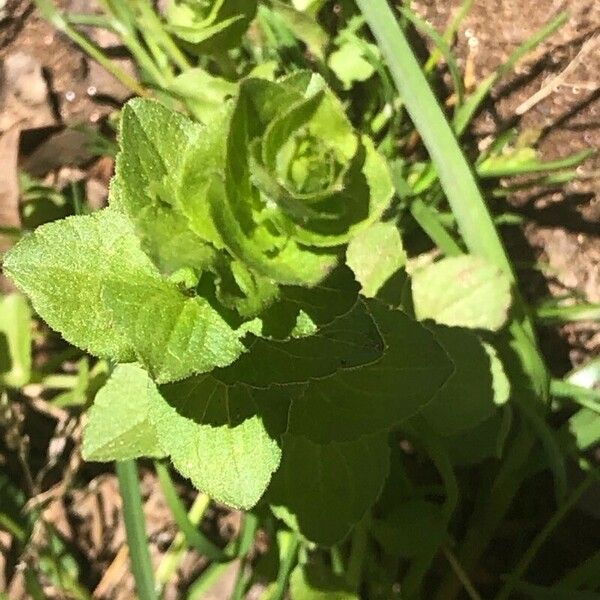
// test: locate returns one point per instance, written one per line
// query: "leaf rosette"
(265, 195)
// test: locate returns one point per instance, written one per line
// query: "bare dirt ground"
(557, 249)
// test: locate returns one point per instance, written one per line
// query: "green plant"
(273, 335)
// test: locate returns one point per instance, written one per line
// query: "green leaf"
(413, 528)
(322, 490)
(299, 180)
(88, 278)
(486, 440)
(302, 311)
(462, 291)
(225, 439)
(349, 63)
(317, 582)
(350, 341)
(15, 341)
(378, 396)
(474, 391)
(211, 26)
(375, 255)
(304, 27)
(122, 423)
(155, 142)
(203, 93)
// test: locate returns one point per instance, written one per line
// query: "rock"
(24, 98)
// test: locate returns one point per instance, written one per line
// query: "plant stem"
(291, 552)
(588, 398)
(189, 529)
(49, 12)
(460, 573)
(360, 540)
(176, 551)
(135, 529)
(542, 536)
(491, 510)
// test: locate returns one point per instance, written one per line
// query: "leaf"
(122, 422)
(378, 396)
(15, 341)
(299, 181)
(415, 527)
(474, 391)
(88, 278)
(203, 93)
(374, 255)
(462, 291)
(210, 27)
(322, 490)
(317, 582)
(486, 440)
(225, 439)
(304, 27)
(349, 64)
(302, 311)
(350, 341)
(148, 182)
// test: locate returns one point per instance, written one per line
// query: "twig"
(560, 79)
(460, 573)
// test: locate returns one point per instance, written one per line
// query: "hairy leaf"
(375, 255)
(378, 396)
(475, 389)
(123, 421)
(462, 291)
(322, 490)
(350, 341)
(225, 439)
(89, 279)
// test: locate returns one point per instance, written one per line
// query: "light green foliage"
(316, 582)
(354, 59)
(121, 423)
(375, 255)
(203, 93)
(304, 26)
(219, 437)
(462, 291)
(325, 489)
(210, 25)
(215, 434)
(306, 185)
(15, 340)
(89, 279)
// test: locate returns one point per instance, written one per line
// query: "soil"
(556, 250)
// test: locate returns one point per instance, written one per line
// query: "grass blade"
(136, 529)
(465, 114)
(442, 45)
(193, 536)
(455, 174)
